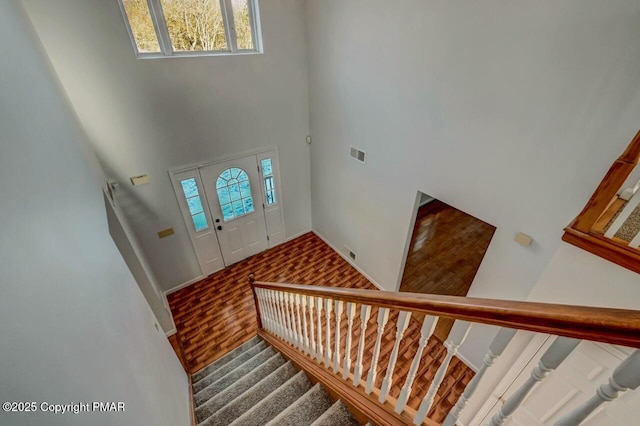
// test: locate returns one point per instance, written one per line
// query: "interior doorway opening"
(445, 251)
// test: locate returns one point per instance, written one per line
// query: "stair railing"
(605, 206)
(291, 318)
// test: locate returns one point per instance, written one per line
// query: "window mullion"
(254, 21)
(229, 25)
(157, 16)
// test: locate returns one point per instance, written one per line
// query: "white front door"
(233, 192)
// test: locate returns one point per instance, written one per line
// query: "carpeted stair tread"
(199, 375)
(337, 415)
(233, 376)
(253, 396)
(276, 402)
(229, 366)
(214, 404)
(305, 410)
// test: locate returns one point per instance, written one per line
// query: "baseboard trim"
(184, 284)
(297, 235)
(192, 405)
(345, 257)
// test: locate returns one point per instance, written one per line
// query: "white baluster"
(365, 312)
(295, 322)
(401, 327)
(296, 303)
(278, 314)
(498, 346)
(625, 377)
(428, 326)
(305, 334)
(267, 303)
(328, 307)
(383, 317)
(346, 367)
(287, 317)
(336, 351)
(557, 352)
(320, 350)
(274, 308)
(261, 308)
(312, 338)
(452, 344)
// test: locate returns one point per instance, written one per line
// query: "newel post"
(252, 279)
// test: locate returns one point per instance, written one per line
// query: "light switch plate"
(165, 232)
(523, 239)
(140, 180)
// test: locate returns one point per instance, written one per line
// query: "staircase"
(255, 385)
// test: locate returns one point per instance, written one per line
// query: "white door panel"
(272, 197)
(234, 196)
(188, 187)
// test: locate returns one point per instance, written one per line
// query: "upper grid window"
(234, 193)
(160, 28)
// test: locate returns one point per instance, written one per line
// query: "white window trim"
(164, 40)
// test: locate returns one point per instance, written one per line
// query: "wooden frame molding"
(606, 325)
(580, 232)
(365, 406)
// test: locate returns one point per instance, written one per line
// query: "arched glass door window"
(234, 193)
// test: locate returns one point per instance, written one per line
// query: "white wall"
(147, 116)
(74, 325)
(135, 259)
(509, 111)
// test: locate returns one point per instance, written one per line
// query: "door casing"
(274, 215)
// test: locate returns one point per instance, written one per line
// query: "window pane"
(189, 187)
(199, 221)
(243, 176)
(268, 183)
(195, 205)
(223, 195)
(234, 192)
(235, 172)
(238, 210)
(266, 167)
(245, 189)
(141, 25)
(195, 25)
(242, 24)
(248, 205)
(227, 212)
(271, 197)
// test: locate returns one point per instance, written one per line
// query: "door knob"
(218, 220)
(219, 228)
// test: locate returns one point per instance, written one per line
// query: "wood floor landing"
(217, 314)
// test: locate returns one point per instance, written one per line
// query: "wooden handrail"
(580, 232)
(607, 325)
(609, 187)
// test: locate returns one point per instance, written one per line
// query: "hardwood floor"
(447, 246)
(217, 314)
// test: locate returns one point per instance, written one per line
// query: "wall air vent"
(350, 253)
(358, 154)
